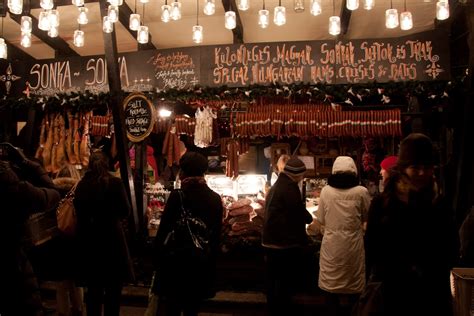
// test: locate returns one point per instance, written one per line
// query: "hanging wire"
(2, 27)
(197, 12)
(263, 5)
(135, 10)
(405, 5)
(391, 4)
(143, 13)
(334, 7)
(279, 3)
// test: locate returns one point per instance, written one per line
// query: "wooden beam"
(345, 18)
(60, 46)
(124, 18)
(115, 88)
(239, 30)
(17, 54)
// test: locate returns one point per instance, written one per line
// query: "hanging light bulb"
(279, 15)
(78, 3)
(107, 26)
(47, 4)
(3, 49)
(134, 24)
(334, 25)
(209, 7)
(26, 24)
(298, 6)
(243, 5)
(53, 17)
(82, 18)
(53, 32)
(15, 6)
(144, 1)
(406, 21)
(391, 18)
(176, 10)
(263, 18)
(43, 21)
(197, 34)
(112, 13)
(369, 4)
(142, 35)
(78, 38)
(165, 12)
(230, 20)
(315, 7)
(352, 4)
(442, 9)
(117, 3)
(25, 39)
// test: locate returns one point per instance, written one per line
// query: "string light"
(197, 29)
(334, 21)
(209, 7)
(315, 7)
(442, 10)
(3, 45)
(279, 14)
(391, 17)
(263, 17)
(406, 19)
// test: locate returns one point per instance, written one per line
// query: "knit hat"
(193, 164)
(294, 167)
(344, 164)
(389, 162)
(416, 149)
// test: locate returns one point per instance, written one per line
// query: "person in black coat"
(184, 280)
(25, 188)
(284, 238)
(101, 203)
(411, 240)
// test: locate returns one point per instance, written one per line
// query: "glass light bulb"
(298, 6)
(209, 7)
(391, 18)
(25, 39)
(352, 4)
(175, 10)
(26, 24)
(15, 6)
(82, 18)
(315, 7)
(279, 15)
(263, 18)
(78, 3)
(112, 13)
(197, 34)
(117, 3)
(53, 17)
(442, 9)
(107, 26)
(134, 23)
(53, 32)
(142, 34)
(369, 4)
(406, 21)
(165, 13)
(3, 49)
(78, 38)
(144, 1)
(334, 25)
(243, 5)
(47, 4)
(230, 20)
(43, 21)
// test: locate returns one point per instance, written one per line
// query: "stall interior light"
(243, 5)
(43, 21)
(15, 6)
(117, 3)
(263, 18)
(406, 19)
(298, 6)
(279, 15)
(442, 10)
(369, 4)
(391, 18)
(25, 40)
(134, 24)
(209, 7)
(78, 3)
(315, 7)
(47, 4)
(352, 4)
(334, 21)
(176, 10)
(142, 34)
(26, 24)
(165, 12)
(53, 31)
(197, 29)
(112, 13)
(230, 20)
(78, 38)
(107, 26)
(164, 113)
(53, 17)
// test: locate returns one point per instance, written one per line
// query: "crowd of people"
(405, 237)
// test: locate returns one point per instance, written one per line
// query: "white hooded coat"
(342, 213)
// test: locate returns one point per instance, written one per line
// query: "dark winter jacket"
(285, 216)
(411, 248)
(19, 294)
(100, 208)
(189, 277)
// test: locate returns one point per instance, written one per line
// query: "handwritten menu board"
(139, 117)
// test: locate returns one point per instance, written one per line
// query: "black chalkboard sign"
(139, 117)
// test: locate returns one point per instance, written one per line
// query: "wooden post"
(113, 74)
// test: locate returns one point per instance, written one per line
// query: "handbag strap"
(184, 211)
(73, 190)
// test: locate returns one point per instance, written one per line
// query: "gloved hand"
(14, 154)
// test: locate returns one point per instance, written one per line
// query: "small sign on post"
(139, 117)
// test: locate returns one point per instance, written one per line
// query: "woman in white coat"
(342, 212)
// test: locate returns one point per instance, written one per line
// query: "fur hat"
(389, 162)
(294, 167)
(193, 164)
(344, 164)
(416, 149)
